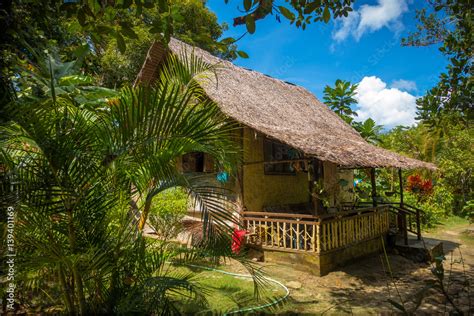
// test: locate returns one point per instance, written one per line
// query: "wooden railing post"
(405, 228)
(297, 235)
(318, 238)
(400, 179)
(374, 186)
(418, 225)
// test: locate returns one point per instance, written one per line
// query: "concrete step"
(424, 250)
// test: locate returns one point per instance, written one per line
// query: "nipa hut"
(296, 181)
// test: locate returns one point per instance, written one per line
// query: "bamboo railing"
(406, 218)
(316, 234)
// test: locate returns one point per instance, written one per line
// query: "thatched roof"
(283, 111)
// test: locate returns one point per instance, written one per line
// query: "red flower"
(415, 183)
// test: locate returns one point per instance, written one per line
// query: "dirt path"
(364, 287)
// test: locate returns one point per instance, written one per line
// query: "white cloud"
(370, 18)
(406, 85)
(387, 106)
(348, 25)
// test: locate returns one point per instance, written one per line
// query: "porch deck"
(326, 233)
(316, 234)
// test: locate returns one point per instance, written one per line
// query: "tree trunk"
(68, 300)
(144, 215)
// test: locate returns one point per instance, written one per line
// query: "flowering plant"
(416, 184)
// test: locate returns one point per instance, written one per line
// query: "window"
(193, 162)
(276, 151)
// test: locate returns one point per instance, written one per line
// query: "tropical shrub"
(78, 178)
(468, 210)
(169, 208)
(416, 184)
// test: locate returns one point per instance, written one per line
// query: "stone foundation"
(324, 263)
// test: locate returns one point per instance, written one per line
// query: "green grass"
(226, 293)
(449, 223)
(455, 224)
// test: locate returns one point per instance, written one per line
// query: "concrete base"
(322, 264)
(425, 250)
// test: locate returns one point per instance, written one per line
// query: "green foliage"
(445, 135)
(369, 130)
(300, 13)
(193, 23)
(437, 206)
(418, 142)
(118, 69)
(117, 34)
(468, 210)
(171, 201)
(32, 81)
(451, 149)
(199, 27)
(456, 162)
(77, 177)
(450, 23)
(340, 98)
(168, 209)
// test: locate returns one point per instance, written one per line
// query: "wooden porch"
(328, 233)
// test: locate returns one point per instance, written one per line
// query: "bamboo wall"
(262, 190)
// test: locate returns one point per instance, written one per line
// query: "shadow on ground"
(366, 285)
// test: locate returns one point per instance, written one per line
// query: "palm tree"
(72, 173)
(340, 98)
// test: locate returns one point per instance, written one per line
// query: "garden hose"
(254, 308)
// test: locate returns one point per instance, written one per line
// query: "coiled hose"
(253, 308)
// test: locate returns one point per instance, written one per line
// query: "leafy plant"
(468, 209)
(300, 13)
(450, 24)
(369, 130)
(416, 184)
(340, 98)
(78, 178)
(168, 209)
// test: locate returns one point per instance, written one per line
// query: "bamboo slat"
(278, 234)
(318, 240)
(297, 236)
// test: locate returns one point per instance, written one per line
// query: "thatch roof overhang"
(284, 111)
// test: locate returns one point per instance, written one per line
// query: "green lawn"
(448, 223)
(226, 293)
(453, 225)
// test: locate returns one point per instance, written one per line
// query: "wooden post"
(400, 179)
(374, 186)
(311, 183)
(418, 225)
(405, 229)
(402, 217)
(297, 236)
(278, 234)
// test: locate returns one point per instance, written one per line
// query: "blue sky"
(363, 48)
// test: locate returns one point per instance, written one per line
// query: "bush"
(169, 208)
(437, 205)
(468, 210)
